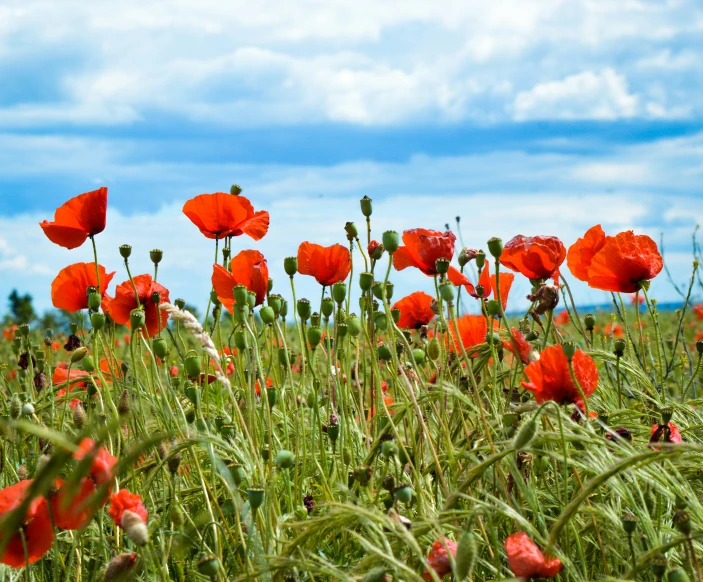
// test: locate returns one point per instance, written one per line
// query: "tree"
(21, 307)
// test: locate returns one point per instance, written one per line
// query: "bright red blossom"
(617, 263)
(527, 561)
(536, 257)
(74, 505)
(125, 302)
(523, 346)
(220, 215)
(472, 332)
(329, 265)
(550, 378)
(68, 289)
(103, 463)
(248, 268)
(415, 310)
(74, 221)
(36, 526)
(438, 559)
(667, 433)
(123, 501)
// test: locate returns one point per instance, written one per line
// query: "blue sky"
(521, 116)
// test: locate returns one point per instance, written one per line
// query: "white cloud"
(587, 95)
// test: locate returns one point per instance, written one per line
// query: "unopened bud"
(366, 207)
(135, 528)
(80, 418)
(120, 568)
(78, 354)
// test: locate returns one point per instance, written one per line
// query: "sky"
(520, 116)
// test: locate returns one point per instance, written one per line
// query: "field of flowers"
(354, 435)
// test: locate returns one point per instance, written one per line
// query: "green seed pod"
(378, 289)
(377, 574)
(354, 325)
(480, 260)
(629, 523)
(589, 321)
(569, 349)
(339, 292)
(88, 364)
(97, 320)
(241, 295)
(314, 336)
(285, 459)
(395, 314)
(160, 347)
(493, 308)
(492, 338)
(327, 307)
(214, 298)
(192, 364)
(333, 432)
(180, 303)
(619, 347)
(275, 301)
(15, 406)
(290, 265)
(272, 396)
(304, 310)
(466, 555)
(240, 340)
(682, 522)
(380, 321)
(442, 265)
(366, 207)
(251, 300)
(256, 497)
(156, 255)
(433, 348)
(389, 449)
(403, 493)
(384, 353)
(677, 575)
(391, 240)
(208, 565)
(268, 315)
(419, 356)
(190, 416)
(315, 318)
(351, 230)
(658, 565)
(284, 356)
(365, 281)
(125, 251)
(342, 330)
(237, 472)
(495, 247)
(94, 301)
(177, 517)
(525, 434)
(446, 292)
(284, 309)
(532, 335)
(78, 354)
(137, 319)
(235, 189)
(362, 475)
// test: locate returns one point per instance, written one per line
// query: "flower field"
(354, 435)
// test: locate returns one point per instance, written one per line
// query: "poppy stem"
(639, 326)
(95, 257)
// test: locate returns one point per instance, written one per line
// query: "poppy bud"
(15, 406)
(327, 307)
(480, 260)
(180, 303)
(240, 340)
(120, 568)
(629, 523)
(658, 565)
(125, 251)
(213, 298)
(375, 250)
(493, 308)
(466, 554)
(192, 364)
(366, 281)
(285, 459)
(208, 565)
(419, 356)
(88, 364)
(569, 349)
(235, 189)
(403, 493)
(268, 315)
(525, 434)
(354, 325)
(135, 528)
(589, 321)
(94, 301)
(433, 348)
(123, 404)
(241, 295)
(352, 231)
(366, 208)
(256, 497)
(442, 265)
(466, 255)
(160, 348)
(284, 309)
(495, 247)
(384, 353)
(395, 314)
(446, 292)
(136, 319)
(78, 354)
(290, 265)
(269, 285)
(619, 347)
(304, 309)
(391, 241)
(492, 338)
(314, 336)
(251, 300)
(80, 418)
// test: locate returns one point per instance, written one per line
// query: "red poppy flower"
(125, 302)
(472, 331)
(257, 386)
(536, 257)
(526, 560)
(75, 504)
(375, 250)
(422, 249)
(697, 311)
(329, 265)
(37, 533)
(220, 215)
(665, 433)
(617, 263)
(615, 329)
(103, 463)
(550, 378)
(68, 289)
(9, 332)
(123, 501)
(415, 310)
(82, 216)
(523, 346)
(61, 376)
(562, 318)
(248, 268)
(438, 560)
